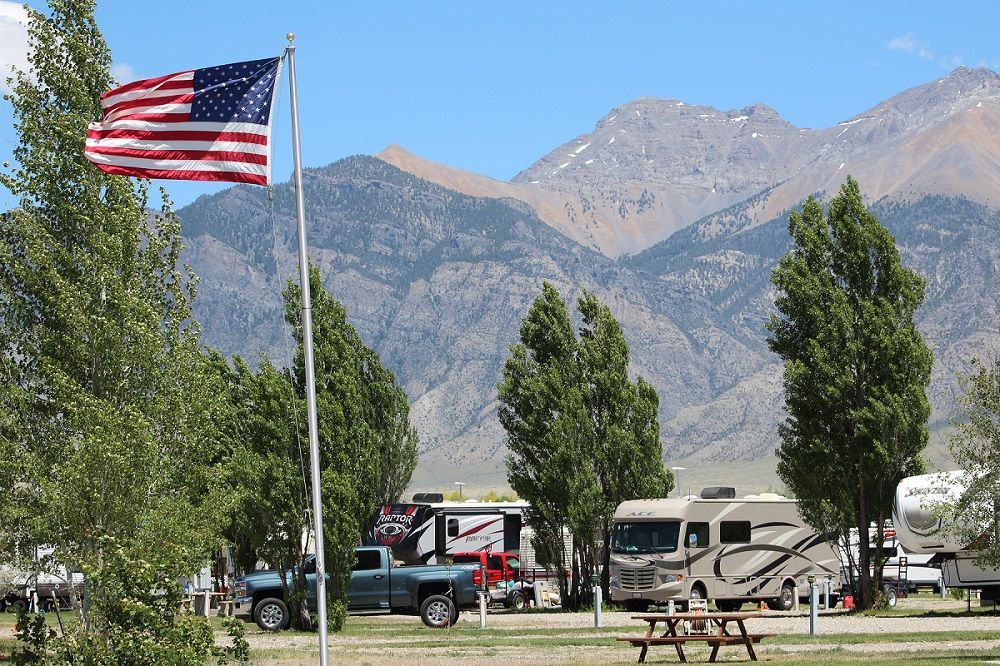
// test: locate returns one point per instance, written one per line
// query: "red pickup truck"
(503, 578)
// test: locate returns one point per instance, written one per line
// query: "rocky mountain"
(653, 166)
(437, 266)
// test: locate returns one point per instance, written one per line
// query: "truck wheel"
(517, 601)
(890, 596)
(271, 614)
(18, 606)
(438, 611)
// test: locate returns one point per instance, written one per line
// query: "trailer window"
(700, 530)
(453, 527)
(734, 531)
(645, 537)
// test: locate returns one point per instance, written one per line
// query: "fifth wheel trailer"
(716, 547)
(919, 516)
(430, 531)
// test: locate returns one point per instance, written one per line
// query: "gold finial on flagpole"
(290, 37)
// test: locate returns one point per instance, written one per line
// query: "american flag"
(202, 124)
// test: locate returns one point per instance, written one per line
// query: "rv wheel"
(785, 600)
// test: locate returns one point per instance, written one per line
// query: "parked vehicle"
(436, 593)
(903, 572)
(922, 527)
(715, 547)
(432, 533)
(42, 580)
(503, 579)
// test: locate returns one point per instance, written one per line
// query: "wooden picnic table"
(717, 636)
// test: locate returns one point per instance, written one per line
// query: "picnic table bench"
(717, 636)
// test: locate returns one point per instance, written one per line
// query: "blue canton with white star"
(236, 93)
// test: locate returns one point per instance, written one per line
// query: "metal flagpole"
(307, 347)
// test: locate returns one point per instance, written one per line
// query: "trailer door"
(512, 532)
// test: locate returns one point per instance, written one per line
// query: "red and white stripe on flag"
(203, 124)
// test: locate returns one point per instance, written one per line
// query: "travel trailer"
(430, 531)
(716, 547)
(903, 571)
(921, 527)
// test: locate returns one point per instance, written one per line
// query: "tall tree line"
(856, 373)
(583, 436)
(368, 448)
(126, 446)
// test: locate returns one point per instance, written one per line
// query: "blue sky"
(491, 87)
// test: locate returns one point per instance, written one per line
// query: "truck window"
(700, 530)
(368, 560)
(453, 527)
(734, 531)
(645, 537)
(466, 559)
(494, 562)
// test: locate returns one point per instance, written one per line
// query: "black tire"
(438, 611)
(890, 597)
(517, 601)
(271, 614)
(729, 605)
(3, 605)
(785, 600)
(18, 606)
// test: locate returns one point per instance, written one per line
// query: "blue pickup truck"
(437, 593)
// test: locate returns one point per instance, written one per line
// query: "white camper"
(716, 547)
(922, 528)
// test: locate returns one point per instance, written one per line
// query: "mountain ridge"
(437, 279)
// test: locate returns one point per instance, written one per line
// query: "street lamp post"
(460, 484)
(677, 478)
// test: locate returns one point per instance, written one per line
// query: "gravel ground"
(462, 649)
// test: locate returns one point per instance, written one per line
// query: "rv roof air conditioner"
(719, 492)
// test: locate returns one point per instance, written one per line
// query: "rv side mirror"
(692, 540)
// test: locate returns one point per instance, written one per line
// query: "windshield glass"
(645, 537)
(466, 559)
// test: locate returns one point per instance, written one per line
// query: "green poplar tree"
(856, 370)
(107, 410)
(368, 448)
(583, 436)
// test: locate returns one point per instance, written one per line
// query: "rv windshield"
(645, 537)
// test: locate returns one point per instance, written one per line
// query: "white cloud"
(902, 43)
(13, 41)
(123, 73)
(908, 44)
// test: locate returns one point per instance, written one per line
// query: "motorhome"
(716, 547)
(919, 514)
